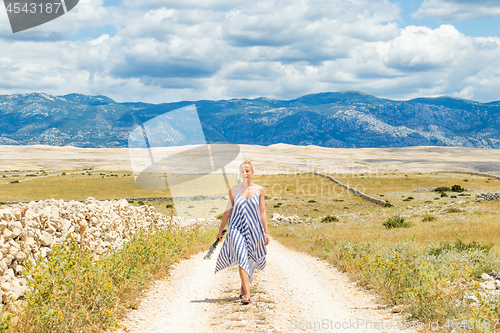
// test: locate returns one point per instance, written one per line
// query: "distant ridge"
(346, 119)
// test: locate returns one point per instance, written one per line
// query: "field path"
(296, 290)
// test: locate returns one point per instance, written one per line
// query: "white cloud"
(421, 48)
(456, 10)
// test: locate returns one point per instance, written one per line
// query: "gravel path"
(295, 293)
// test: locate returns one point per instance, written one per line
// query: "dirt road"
(295, 293)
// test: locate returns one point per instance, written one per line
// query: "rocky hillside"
(343, 119)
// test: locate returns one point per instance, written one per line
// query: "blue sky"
(168, 50)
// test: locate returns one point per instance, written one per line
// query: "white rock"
(46, 239)
(488, 285)
(7, 234)
(486, 277)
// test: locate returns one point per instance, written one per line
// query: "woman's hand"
(219, 235)
(266, 236)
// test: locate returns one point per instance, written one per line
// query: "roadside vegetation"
(72, 291)
(423, 255)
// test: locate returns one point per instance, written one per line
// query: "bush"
(457, 188)
(396, 222)
(169, 206)
(140, 203)
(328, 219)
(460, 246)
(443, 194)
(442, 189)
(311, 201)
(454, 210)
(428, 218)
(388, 204)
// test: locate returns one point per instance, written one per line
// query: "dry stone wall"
(482, 197)
(353, 190)
(482, 174)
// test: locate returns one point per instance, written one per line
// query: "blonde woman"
(247, 237)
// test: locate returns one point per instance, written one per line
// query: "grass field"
(395, 262)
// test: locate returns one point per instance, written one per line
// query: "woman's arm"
(263, 215)
(227, 214)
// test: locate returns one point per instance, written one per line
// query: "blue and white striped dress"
(244, 243)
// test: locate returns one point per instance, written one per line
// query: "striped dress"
(244, 243)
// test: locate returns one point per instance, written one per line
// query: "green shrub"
(460, 246)
(328, 219)
(444, 195)
(311, 201)
(457, 188)
(396, 222)
(428, 218)
(15, 182)
(442, 189)
(388, 204)
(169, 206)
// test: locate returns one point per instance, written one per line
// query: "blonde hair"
(247, 162)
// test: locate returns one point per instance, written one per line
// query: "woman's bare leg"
(244, 282)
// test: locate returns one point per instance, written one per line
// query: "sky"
(160, 51)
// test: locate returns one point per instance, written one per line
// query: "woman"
(247, 235)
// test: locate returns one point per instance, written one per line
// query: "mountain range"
(348, 119)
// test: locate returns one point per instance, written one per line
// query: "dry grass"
(359, 243)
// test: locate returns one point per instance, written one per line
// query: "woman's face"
(246, 172)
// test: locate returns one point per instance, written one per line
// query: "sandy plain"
(273, 159)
